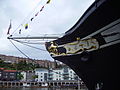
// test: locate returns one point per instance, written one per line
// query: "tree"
(20, 76)
(35, 76)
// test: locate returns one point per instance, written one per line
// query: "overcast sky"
(57, 17)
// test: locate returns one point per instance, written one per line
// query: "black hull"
(102, 67)
(98, 66)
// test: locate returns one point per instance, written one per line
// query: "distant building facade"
(39, 75)
(40, 63)
(8, 75)
(28, 76)
(64, 73)
(12, 59)
(57, 74)
(42, 74)
(54, 73)
(1, 73)
(24, 73)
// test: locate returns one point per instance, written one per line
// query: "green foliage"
(6, 65)
(22, 65)
(35, 76)
(20, 76)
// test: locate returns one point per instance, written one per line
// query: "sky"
(56, 18)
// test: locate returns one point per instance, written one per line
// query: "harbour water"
(24, 89)
(39, 89)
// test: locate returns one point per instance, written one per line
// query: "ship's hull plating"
(101, 67)
(96, 61)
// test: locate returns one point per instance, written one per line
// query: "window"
(11, 76)
(65, 69)
(12, 73)
(6, 73)
(6, 76)
(45, 76)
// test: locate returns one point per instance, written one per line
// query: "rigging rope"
(31, 42)
(18, 49)
(29, 45)
(26, 25)
(26, 17)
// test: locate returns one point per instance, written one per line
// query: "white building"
(72, 74)
(24, 75)
(64, 73)
(69, 74)
(42, 74)
(28, 75)
(57, 74)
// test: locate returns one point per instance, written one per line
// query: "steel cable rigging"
(10, 26)
(19, 49)
(29, 45)
(26, 17)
